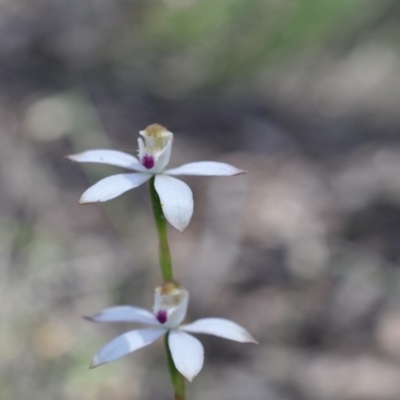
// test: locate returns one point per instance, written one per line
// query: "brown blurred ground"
(303, 251)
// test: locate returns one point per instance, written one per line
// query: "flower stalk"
(162, 230)
(167, 273)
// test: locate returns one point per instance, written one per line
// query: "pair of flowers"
(171, 300)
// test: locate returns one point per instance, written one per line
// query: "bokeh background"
(304, 250)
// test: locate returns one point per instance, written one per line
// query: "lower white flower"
(154, 155)
(170, 307)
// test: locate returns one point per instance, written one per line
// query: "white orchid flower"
(170, 306)
(154, 155)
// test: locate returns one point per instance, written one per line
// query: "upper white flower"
(169, 311)
(154, 155)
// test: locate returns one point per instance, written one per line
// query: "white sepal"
(220, 327)
(124, 314)
(187, 353)
(125, 344)
(113, 186)
(205, 168)
(176, 200)
(111, 157)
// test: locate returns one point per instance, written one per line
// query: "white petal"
(206, 168)
(112, 157)
(179, 313)
(113, 186)
(220, 327)
(141, 148)
(124, 314)
(176, 200)
(125, 344)
(187, 353)
(163, 158)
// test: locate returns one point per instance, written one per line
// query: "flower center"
(153, 142)
(148, 161)
(155, 130)
(162, 316)
(170, 304)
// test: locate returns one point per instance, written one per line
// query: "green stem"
(176, 378)
(167, 274)
(161, 224)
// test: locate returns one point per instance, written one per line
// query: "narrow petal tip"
(240, 172)
(94, 363)
(76, 158)
(180, 228)
(84, 202)
(73, 157)
(250, 339)
(90, 318)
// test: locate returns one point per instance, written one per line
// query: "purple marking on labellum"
(148, 161)
(162, 316)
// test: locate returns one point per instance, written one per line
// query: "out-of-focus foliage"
(231, 40)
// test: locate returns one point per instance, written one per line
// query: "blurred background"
(304, 251)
